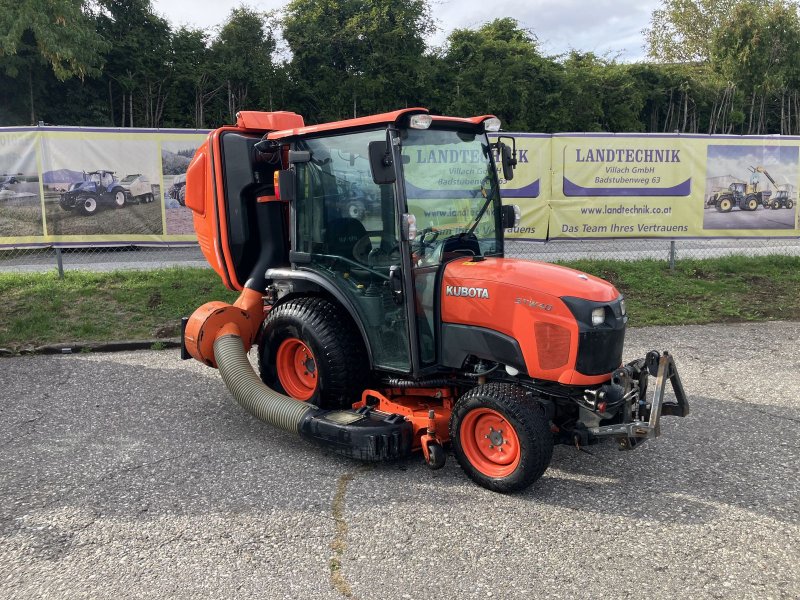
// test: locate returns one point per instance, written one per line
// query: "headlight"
(598, 316)
(491, 124)
(622, 308)
(420, 121)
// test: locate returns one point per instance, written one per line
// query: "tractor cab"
(368, 211)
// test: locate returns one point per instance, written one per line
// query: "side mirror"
(380, 163)
(509, 160)
(510, 216)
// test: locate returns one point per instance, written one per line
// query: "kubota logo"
(467, 292)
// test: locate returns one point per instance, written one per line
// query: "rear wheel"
(501, 437)
(182, 196)
(119, 198)
(311, 351)
(790, 204)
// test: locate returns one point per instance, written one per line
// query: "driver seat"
(342, 235)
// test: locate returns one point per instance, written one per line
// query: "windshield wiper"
(482, 211)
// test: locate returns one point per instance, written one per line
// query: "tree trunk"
(130, 107)
(111, 102)
(30, 90)
(124, 105)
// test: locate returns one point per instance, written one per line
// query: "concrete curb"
(78, 347)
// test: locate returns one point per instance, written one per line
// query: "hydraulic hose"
(250, 392)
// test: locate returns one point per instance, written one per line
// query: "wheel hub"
(489, 442)
(495, 438)
(296, 369)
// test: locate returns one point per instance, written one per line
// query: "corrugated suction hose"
(250, 392)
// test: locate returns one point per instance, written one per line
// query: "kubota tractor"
(405, 328)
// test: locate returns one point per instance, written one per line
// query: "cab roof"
(381, 119)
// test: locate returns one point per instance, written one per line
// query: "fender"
(336, 293)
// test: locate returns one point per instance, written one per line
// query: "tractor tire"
(86, 204)
(776, 204)
(182, 196)
(494, 416)
(310, 350)
(790, 204)
(724, 205)
(119, 199)
(750, 203)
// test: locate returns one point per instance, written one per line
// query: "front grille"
(600, 351)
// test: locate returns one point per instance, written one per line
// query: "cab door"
(346, 230)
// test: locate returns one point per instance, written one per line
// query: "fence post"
(672, 255)
(60, 263)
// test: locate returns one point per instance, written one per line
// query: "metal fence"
(144, 257)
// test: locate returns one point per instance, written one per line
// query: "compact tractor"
(97, 189)
(406, 328)
(781, 199)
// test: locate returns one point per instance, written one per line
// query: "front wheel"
(724, 205)
(501, 437)
(311, 351)
(86, 205)
(119, 198)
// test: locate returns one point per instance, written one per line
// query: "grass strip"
(42, 309)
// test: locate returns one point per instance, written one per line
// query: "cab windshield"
(451, 189)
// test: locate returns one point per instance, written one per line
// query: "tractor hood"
(542, 309)
(520, 276)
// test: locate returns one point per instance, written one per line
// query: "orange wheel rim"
(297, 369)
(490, 442)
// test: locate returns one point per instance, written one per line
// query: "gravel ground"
(134, 475)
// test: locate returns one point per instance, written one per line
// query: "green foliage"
(721, 66)
(681, 30)
(355, 57)
(59, 32)
(242, 57)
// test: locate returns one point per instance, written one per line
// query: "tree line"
(713, 66)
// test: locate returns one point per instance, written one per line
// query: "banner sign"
(530, 187)
(94, 186)
(63, 185)
(673, 186)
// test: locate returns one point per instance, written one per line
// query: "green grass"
(731, 289)
(40, 308)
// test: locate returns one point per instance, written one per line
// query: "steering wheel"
(380, 257)
(422, 242)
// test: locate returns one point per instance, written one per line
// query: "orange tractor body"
(371, 260)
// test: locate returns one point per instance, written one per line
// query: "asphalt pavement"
(134, 475)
